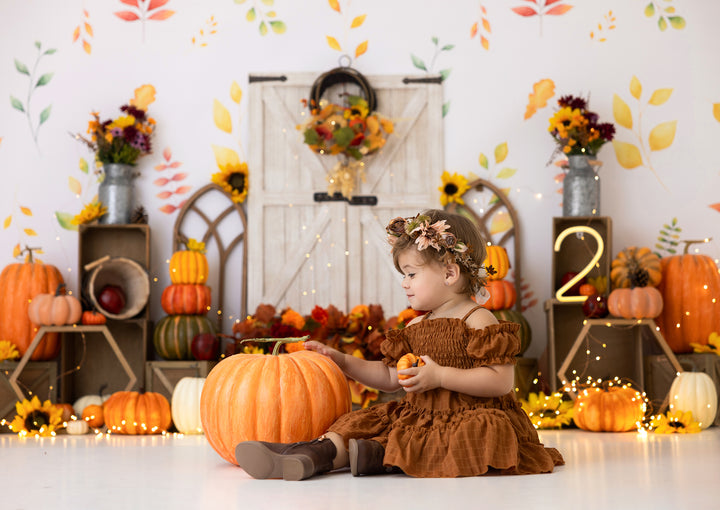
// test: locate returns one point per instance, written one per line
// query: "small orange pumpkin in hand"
(409, 360)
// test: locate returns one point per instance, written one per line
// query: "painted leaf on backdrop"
(26, 211)
(263, 29)
(484, 42)
(7, 222)
(278, 27)
(558, 10)
(483, 160)
(501, 152)
(628, 155)
(358, 20)
(167, 154)
(65, 220)
(524, 11)
(76, 33)
(182, 190)
(662, 135)
(133, 3)
(715, 206)
(418, 62)
(235, 92)
(221, 116)
(127, 15)
(621, 112)
(144, 96)
(660, 96)
(506, 173)
(154, 4)
(716, 111)
(30, 232)
(677, 22)
(164, 194)
(333, 43)
(161, 15)
(17, 250)
(635, 87)
(361, 48)
(162, 181)
(87, 47)
(175, 164)
(89, 29)
(538, 98)
(167, 209)
(178, 177)
(74, 185)
(250, 16)
(83, 165)
(225, 157)
(473, 30)
(335, 5)
(501, 222)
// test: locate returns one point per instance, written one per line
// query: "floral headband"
(435, 235)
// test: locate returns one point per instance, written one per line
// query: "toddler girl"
(459, 416)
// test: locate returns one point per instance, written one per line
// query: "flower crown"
(425, 234)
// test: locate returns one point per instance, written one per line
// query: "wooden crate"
(38, 378)
(162, 376)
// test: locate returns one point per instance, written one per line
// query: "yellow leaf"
(332, 42)
(235, 92)
(225, 157)
(7, 221)
(221, 117)
(501, 152)
(335, 5)
(621, 112)
(30, 232)
(86, 47)
(627, 154)
(361, 48)
(660, 96)
(542, 91)
(716, 111)
(74, 185)
(501, 222)
(635, 87)
(26, 211)
(16, 250)
(662, 135)
(358, 21)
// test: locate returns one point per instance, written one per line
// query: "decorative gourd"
(281, 398)
(609, 409)
(55, 309)
(19, 283)
(637, 303)
(94, 415)
(189, 266)
(185, 405)
(497, 257)
(630, 260)
(409, 360)
(186, 299)
(173, 335)
(690, 289)
(695, 392)
(133, 413)
(587, 289)
(93, 318)
(77, 427)
(525, 332)
(502, 295)
(67, 411)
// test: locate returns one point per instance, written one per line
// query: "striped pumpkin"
(525, 333)
(502, 295)
(188, 267)
(185, 405)
(130, 412)
(186, 299)
(497, 257)
(174, 334)
(19, 284)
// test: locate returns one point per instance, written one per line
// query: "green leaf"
(506, 173)
(65, 220)
(250, 16)
(677, 22)
(21, 67)
(84, 166)
(240, 1)
(278, 27)
(444, 74)
(263, 28)
(650, 10)
(355, 153)
(344, 136)
(445, 108)
(435, 41)
(38, 45)
(417, 62)
(447, 47)
(44, 79)
(268, 2)
(483, 160)
(662, 24)
(311, 137)
(45, 114)
(17, 104)
(51, 51)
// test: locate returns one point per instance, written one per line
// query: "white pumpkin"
(185, 405)
(77, 427)
(695, 392)
(86, 400)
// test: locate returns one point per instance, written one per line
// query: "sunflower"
(547, 411)
(453, 188)
(713, 345)
(90, 213)
(34, 419)
(233, 179)
(8, 350)
(675, 422)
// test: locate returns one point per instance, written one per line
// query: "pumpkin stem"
(278, 341)
(29, 252)
(688, 242)
(61, 288)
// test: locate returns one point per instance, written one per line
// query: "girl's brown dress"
(442, 433)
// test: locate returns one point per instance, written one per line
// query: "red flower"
(319, 315)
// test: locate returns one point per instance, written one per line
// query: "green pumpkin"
(174, 334)
(525, 333)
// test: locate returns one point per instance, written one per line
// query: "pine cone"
(639, 278)
(139, 216)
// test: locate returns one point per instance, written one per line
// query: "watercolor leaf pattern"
(356, 22)
(444, 73)
(267, 17)
(85, 30)
(63, 218)
(543, 90)
(43, 80)
(172, 180)
(668, 239)
(661, 136)
(144, 10)
(542, 8)
(482, 27)
(666, 16)
(501, 221)
(22, 229)
(603, 27)
(209, 30)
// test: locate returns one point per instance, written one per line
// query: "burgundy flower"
(396, 227)
(135, 112)
(572, 102)
(607, 131)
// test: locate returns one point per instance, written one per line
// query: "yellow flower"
(233, 179)
(8, 350)
(547, 411)
(292, 318)
(122, 122)
(90, 212)
(35, 419)
(194, 245)
(713, 344)
(453, 188)
(675, 422)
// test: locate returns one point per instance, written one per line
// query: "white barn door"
(303, 253)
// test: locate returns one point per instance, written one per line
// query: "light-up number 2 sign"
(560, 294)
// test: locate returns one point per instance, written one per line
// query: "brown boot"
(366, 458)
(295, 461)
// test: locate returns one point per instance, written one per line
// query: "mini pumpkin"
(502, 295)
(497, 257)
(409, 360)
(694, 392)
(94, 416)
(93, 318)
(77, 427)
(189, 266)
(629, 260)
(55, 309)
(588, 289)
(186, 299)
(636, 303)
(185, 405)
(608, 409)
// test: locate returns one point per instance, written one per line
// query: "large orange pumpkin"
(636, 303)
(690, 288)
(502, 295)
(19, 284)
(278, 398)
(130, 412)
(610, 409)
(497, 257)
(186, 299)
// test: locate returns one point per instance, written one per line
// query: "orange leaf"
(154, 4)
(333, 43)
(76, 33)
(335, 5)
(17, 250)
(524, 11)
(486, 25)
(542, 91)
(134, 3)
(87, 47)
(127, 15)
(164, 194)
(167, 154)
(361, 48)
(715, 206)
(88, 29)
(162, 15)
(179, 177)
(174, 164)
(167, 209)
(26, 211)
(485, 43)
(559, 9)
(473, 30)
(183, 189)
(162, 181)
(160, 168)
(358, 21)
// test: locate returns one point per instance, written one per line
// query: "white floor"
(603, 471)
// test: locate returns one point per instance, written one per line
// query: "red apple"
(112, 299)
(205, 347)
(595, 307)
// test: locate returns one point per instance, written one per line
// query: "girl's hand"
(423, 378)
(319, 347)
